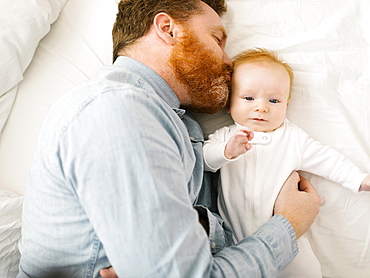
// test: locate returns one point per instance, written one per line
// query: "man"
(118, 165)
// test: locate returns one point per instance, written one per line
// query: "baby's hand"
(365, 185)
(239, 144)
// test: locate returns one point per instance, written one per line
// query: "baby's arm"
(327, 162)
(214, 148)
(365, 185)
(239, 144)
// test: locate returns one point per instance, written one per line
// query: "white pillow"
(10, 232)
(77, 46)
(23, 24)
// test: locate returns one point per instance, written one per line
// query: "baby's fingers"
(248, 132)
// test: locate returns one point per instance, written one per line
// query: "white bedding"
(10, 224)
(327, 42)
(23, 24)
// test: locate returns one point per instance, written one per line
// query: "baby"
(262, 148)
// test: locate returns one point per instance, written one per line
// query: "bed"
(48, 46)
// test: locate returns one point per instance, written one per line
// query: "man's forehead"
(209, 13)
(209, 18)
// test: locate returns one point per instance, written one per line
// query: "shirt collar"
(160, 86)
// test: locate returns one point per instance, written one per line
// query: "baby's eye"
(274, 101)
(248, 98)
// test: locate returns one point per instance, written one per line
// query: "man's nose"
(227, 60)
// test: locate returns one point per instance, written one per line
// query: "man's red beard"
(203, 74)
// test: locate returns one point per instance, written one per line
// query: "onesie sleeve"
(328, 163)
(213, 150)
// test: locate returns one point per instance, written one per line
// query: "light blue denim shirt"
(116, 172)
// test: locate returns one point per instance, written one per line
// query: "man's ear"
(164, 26)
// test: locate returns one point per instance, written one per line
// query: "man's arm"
(273, 246)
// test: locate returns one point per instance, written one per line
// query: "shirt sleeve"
(264, 254)
(220, 234)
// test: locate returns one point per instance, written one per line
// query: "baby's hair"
(256, 55)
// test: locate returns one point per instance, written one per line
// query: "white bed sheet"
(327, 42)
(10, 231)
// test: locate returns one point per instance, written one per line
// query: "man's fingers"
(291, 182)
(304, 185)
(108, 273)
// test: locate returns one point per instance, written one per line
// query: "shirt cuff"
(263, 254)
(220, 235)
(280, 235)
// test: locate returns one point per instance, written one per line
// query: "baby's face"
(260, 95)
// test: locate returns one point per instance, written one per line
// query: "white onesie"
(250, 184)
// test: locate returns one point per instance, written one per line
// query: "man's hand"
(299, 205)
(239, 144)
(108, 273)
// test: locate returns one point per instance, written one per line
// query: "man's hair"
(256, 55)
(135, 17)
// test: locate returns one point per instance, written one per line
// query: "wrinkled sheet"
(10, 231)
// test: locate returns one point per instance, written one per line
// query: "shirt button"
(213, 244)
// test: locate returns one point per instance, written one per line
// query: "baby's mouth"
(258, 120)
